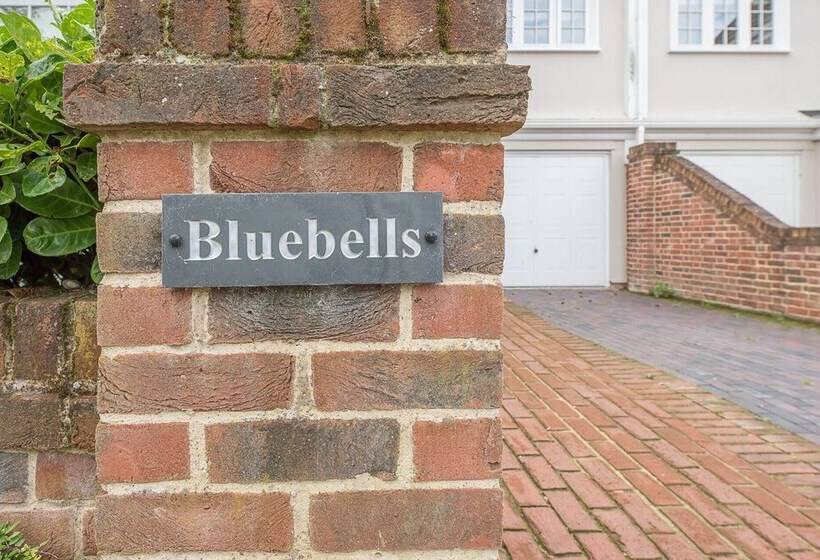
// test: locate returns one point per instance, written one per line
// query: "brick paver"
(606, 457)
(769, 368)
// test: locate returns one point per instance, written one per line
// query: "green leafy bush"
(662, 290)
(48, 170)
(13, 547)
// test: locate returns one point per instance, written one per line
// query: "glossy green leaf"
(78, 24)
(11, 166)
(24, 33)
(87, 165)
(88, 141)
(6, 246)
(43, 67)
(69, 201)
(37, 181)
(4, 227)
(7, 193)
(51, 237)
(38, 122)
(96, 273)
(10, 63)
(10, 150)
(9, 268)
(8, 94)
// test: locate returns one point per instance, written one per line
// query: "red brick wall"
(687, 229)
(300, 420)
(47, 418)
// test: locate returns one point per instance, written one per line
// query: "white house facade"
(733, 82)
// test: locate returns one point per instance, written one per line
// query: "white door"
(556, 213)
(772, 180)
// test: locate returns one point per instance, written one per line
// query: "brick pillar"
(641, 198)
(299, 421)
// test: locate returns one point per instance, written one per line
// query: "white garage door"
(772, 180)
(555, 207)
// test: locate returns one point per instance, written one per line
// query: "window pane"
(726, 22)
(536, 22)
(573, 22)
(762, 22)
(690, 21)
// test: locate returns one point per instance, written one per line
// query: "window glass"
(762, 22)
(726, 22)
(690, 22)
(536, 22)
(573, 22)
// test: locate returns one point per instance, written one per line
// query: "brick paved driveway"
(606, 457)
(770, 369)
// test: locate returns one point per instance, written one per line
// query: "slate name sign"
(226, 240)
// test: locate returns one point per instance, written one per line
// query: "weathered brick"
(38, 329)
(65, 476)
(83, 420)
(409, 26)
(194, 523)
(52, 528)
(155, 316)
(89, 534)
(86, 351)
(129, 241)
(154, 382)
(468, 97)
(116, 95)
(131, 26)
(202, 27)
(473, 243)
(349, 313)
(298, 103)
(455, 311)
(6, 308)
(709, 242)
(141, 171)
(270, 27)
(461, 171)
(406, 520)
(338, 25)
(283, 450)
(457, 449)
(476, 25)
(299, 166)
(142, 452)
(395, 380)
(13, 477)
(30, 422)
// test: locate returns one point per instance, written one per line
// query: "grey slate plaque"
(302, 239)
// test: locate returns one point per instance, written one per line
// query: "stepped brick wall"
(297, 422)
(48, 415)
(689, 230)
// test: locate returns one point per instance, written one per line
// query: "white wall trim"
(630, 129)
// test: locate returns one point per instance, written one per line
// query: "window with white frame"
(726, 25)
(552, 24)
(38, 11)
